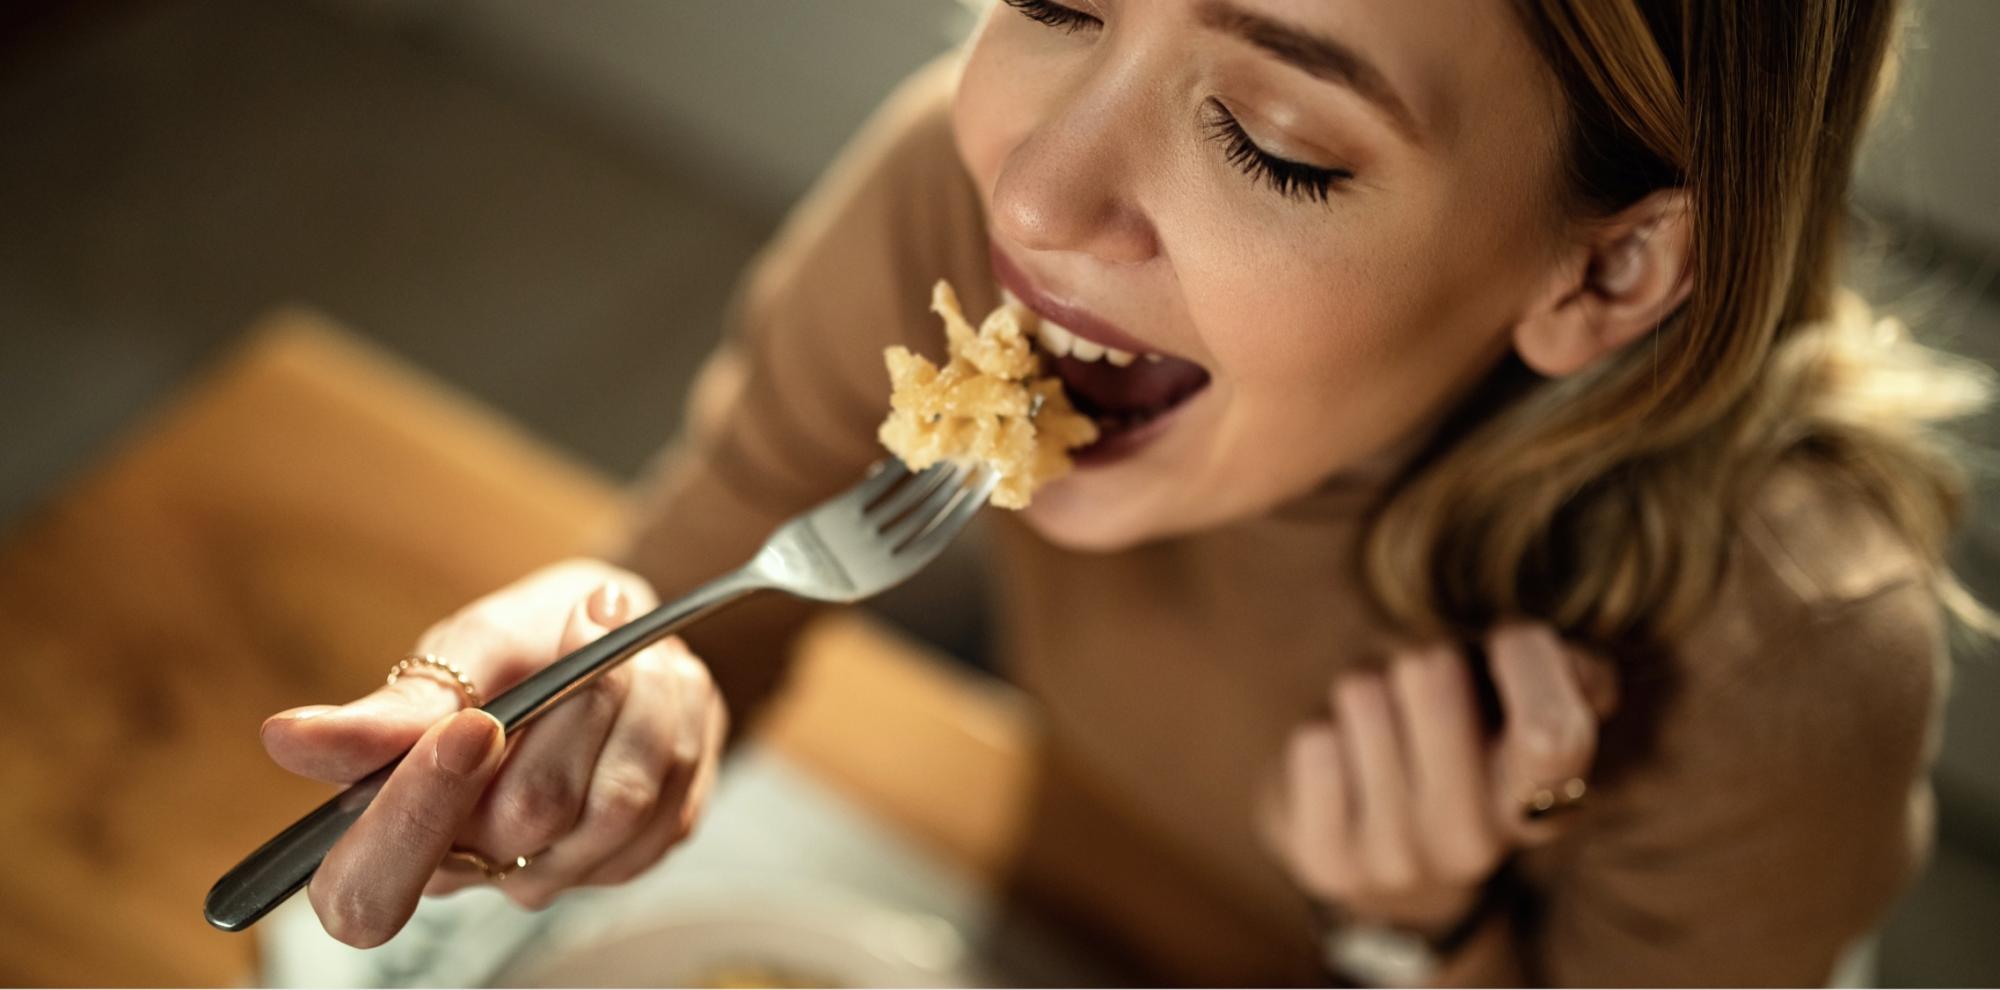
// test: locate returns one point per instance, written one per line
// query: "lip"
(1075, 319)
(1114, 449)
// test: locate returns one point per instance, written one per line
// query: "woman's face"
(1325, 215)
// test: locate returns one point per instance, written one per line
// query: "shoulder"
(1764, 784)
(1822, 540)
(1825, 632)
(1810, 554)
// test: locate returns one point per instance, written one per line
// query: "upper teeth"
(1061, 342)
(1058, 340)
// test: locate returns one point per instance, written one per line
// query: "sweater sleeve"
(1783, 806)
(784, 413)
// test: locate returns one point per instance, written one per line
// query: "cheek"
(1371, 340)
(997, 105)
(1291, 327)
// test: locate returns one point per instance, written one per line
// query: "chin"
(1069, 514)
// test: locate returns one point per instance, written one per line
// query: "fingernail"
(464, 743)
(301, 714)
(608, 604)
(290, 716)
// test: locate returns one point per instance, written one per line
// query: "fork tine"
(888, 472)
(919, 488)
(955, 520)
(925, 513)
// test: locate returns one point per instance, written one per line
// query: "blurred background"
(545, 205)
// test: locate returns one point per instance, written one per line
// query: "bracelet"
(1368, 953)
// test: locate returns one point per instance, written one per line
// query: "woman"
(1498, 346)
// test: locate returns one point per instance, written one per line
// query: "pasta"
(990, 404)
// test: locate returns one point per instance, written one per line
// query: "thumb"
(343, 743)
(1598, 680)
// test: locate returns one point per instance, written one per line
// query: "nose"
(1069, 186)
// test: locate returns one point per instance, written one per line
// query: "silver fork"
(857, 544)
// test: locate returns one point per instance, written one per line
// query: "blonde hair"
(1602, 503)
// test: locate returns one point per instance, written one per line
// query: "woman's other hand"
(595, 791)
(1399, 808)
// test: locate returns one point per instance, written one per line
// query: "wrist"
(1405, 945)
(1434, 916)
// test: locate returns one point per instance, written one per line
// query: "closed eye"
(1293, 180)
(1069, 20)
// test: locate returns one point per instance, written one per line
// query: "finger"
(1375, 760)
(1316, 832)
(371, 879)
(1549, 732)
(685, 795)
(516, 632)
(1598, 680)
(656, 837)
(538, 796)
(1439, 712)
(341, 744)
(566, 583)
(711, 766)
(650, 753)
(450, 878)
(497, 641)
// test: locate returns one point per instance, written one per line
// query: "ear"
(1615, 286)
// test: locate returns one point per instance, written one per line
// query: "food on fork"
(990, 404)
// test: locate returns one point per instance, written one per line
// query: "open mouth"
(1121, 390)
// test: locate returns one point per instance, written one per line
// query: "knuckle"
(1465, 859)
(420, 828)
(620, 803)
(1357, 688)
(1555, 741)
(1391, 871)
(485, 622)
(439, 632)
(539, 812)
(603, 695)
(1539, 743)
(648, 663)
(1515, 636)
(691, 672)
(1394, 877)
(478, 630)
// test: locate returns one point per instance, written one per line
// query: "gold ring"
(441, 669)
(494, 871)
(1546, 801)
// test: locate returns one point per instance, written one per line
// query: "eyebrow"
(1317, 55)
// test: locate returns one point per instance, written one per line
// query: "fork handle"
(283, 865)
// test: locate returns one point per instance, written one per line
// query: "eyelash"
(1293, 180)
(1066, 19)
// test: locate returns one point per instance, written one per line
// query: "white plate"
(791, 940)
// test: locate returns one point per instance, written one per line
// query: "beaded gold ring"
(440, 669)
